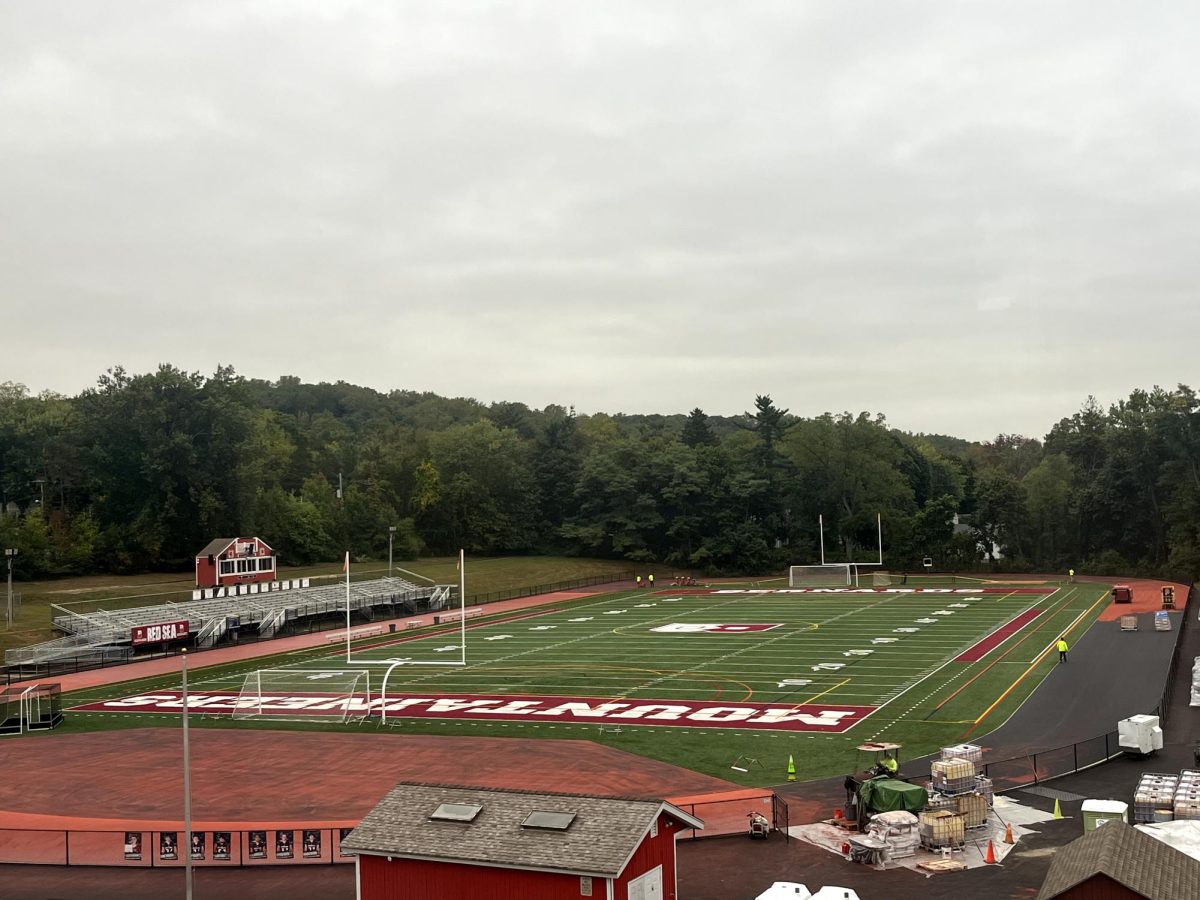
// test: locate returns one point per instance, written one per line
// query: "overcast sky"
(968, 216)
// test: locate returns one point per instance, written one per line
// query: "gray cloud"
(968, 216)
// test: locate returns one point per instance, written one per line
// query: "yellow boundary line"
(817, 697)
(987, 712)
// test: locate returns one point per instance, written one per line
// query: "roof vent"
(456, 812)
(549, 821)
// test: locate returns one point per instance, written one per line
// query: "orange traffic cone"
(990, 857)
(1008, 838)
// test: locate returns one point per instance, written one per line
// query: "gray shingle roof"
(219, 545)
(599, 841)
(1139, 862)
(215, 546)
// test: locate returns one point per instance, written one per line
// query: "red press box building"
(439, 841)
(233, 561)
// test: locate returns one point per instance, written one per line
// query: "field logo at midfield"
(712, 628)
(826, 718)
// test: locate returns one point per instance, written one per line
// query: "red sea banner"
(826, 718)
(158, 633)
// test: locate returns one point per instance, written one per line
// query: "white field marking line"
(930, 674)
(255, 665)
(905, 688)
(764, 643)
(451, 675)
(728, 600)
(537, 648)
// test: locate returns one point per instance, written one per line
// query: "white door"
(647, 886)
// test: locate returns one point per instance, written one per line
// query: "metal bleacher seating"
(87, 632)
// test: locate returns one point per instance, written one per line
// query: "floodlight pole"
(187, 790)
(347, 568)
(462, 604)
(391, 537)
(821, 524)
(9, 553)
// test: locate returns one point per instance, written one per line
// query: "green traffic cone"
(791, 768)
(1057, 810)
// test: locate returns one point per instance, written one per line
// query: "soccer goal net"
(831, 575)
(304, 695)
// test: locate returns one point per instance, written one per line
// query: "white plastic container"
(835, 893)
(971, 752)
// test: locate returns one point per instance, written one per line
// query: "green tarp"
(888, 794)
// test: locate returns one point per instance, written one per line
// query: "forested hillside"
(141, 471)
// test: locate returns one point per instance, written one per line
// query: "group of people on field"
(676, 581)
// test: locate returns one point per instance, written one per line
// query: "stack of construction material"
(939, 802)
(942, 829)
(1187, 795)
(983, 785)
(1196, 682)
(897, 829)
(973, 808)
(953, 776)
(1154, 799)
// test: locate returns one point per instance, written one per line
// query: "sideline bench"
(454, 617)
(355, 634)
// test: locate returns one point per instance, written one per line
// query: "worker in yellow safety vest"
(890, 763)
(1062, 648)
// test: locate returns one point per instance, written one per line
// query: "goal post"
(334, 696)
(828, 575)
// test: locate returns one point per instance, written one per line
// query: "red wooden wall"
(656, 851)
(411, 879)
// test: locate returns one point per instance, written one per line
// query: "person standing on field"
(1062, 649)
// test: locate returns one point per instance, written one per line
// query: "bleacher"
(266, 612)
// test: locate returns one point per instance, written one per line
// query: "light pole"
(391, 537)
(187, 789)
(9, 553)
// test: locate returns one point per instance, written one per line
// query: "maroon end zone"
(830, 719)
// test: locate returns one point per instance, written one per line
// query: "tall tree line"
(138, 472)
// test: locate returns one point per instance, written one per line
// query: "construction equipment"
(760, 826)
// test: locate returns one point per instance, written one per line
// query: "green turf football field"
(889, 656)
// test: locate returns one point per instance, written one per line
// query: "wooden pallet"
(844, 824)
(942, 865)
